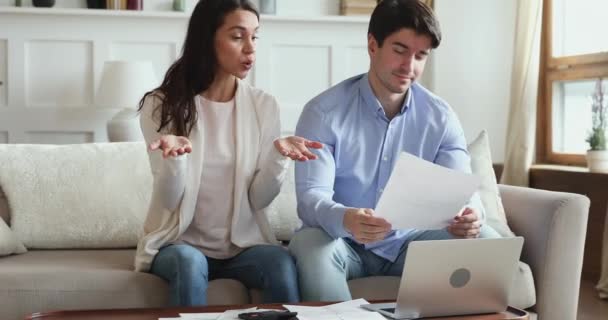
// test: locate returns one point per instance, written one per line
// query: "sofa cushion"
(522, 295)
(523, 292)
(76, 196)
(481, 165)
(9, 244)
(41, 281)
(45, 280)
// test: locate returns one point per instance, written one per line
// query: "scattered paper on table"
(226, 315)
(201, 316)
(348, 310)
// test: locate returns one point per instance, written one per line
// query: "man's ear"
(372, 44)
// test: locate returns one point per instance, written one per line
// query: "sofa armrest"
(554, 225)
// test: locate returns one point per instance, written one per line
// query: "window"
(574, 55)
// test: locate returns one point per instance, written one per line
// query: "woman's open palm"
(172, 145)
(297, 148)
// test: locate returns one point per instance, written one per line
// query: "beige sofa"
(65, 269)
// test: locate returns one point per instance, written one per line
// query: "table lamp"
(123, 84)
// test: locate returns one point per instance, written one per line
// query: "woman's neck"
(222, 89)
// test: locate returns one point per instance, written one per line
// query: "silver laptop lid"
(457, 277)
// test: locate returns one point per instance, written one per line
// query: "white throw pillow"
(76, 196)
(9, 244)
(282, 213)
(4, 210)
(481, 165)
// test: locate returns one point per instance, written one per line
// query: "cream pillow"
(4, 210)
(481, 164)
(76, 196)
(283, 213)
(9, 244)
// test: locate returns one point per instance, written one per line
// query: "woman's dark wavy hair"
(194, 71)
(392, 15)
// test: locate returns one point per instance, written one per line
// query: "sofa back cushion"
(5, 213)
(76, 196)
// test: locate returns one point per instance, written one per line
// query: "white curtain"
(521, 128)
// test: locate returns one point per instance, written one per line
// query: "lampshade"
(123, 83)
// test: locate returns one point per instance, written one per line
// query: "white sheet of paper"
(201, 316)
(347, 305)
(226, 315)
(347, 310)
(422, 195)
(234, 314)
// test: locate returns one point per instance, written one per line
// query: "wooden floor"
(590, 306)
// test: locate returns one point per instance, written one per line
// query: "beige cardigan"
(259, 173)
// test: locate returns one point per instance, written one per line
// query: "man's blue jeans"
(325, 264)
(188, 271)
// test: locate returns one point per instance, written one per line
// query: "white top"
(210, 227)
(259, 168)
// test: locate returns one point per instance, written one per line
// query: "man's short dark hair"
(392, 15)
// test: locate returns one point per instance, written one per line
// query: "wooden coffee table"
(155, 313)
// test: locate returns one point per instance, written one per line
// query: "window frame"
(563, 68)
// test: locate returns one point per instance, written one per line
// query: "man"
(364, 123)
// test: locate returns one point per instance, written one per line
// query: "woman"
(217, 162)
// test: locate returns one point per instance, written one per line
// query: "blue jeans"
(188, 271)
(325, 264)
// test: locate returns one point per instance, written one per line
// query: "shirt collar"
(372, 101)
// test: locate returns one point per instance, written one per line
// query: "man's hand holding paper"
(364, 226)
(466, 224)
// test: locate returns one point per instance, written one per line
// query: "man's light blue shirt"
(361, 146)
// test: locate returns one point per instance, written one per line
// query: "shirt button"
(385, 158)
(380, 190)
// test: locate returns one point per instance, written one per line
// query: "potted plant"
(597, 155)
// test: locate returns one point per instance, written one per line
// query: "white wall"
(149, 5)
(283, 7)
(311, 7)
(471, 69)
(51, 63)
(472, 66)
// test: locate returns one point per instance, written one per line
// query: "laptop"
(454, 277)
